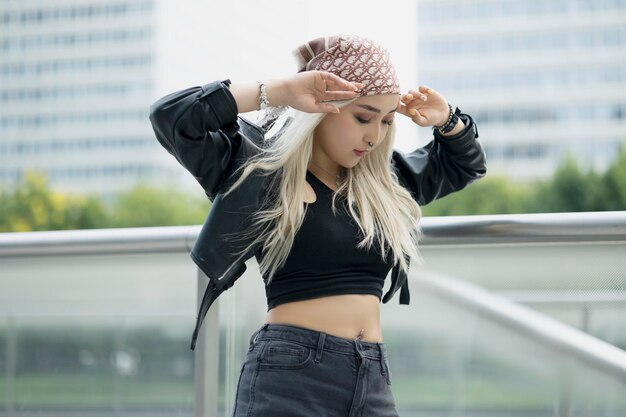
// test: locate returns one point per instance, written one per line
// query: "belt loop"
(358, 347)
(256, 333)
(253, 337)
(383, 370)
(320, 347)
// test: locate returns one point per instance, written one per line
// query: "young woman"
(343, 212)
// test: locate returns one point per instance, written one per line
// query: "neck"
(328, 172)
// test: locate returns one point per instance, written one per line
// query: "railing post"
(11, 366)
(564, 389)
(207, 356)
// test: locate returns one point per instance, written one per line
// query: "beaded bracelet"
(451, 122)
(442, 127)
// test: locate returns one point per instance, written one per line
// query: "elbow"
(158, 120)
(482, 166)
(156, 113)
(478, 165)
(478, 171)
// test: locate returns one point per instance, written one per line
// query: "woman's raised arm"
(199, 126)
(304, 91)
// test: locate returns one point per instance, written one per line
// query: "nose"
(372, 135)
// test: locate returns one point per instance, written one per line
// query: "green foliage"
(32, 206)
(569, 190)
(145, 205)
(489, 195)
(612, 191)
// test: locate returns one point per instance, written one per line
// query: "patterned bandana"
(353, 58)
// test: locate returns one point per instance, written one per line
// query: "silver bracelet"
(263, 101)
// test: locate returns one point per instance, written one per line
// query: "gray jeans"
(292, 371)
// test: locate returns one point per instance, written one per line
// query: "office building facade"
(542, 77)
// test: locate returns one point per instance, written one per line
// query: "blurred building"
(541, 77)
(76, 81)
(77, 77)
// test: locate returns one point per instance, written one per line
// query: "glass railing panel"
(104, 335)
(110, 365)
(448, 359)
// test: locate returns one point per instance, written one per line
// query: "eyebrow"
(374, 109)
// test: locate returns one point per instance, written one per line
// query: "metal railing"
(544, 330)
(604, 226)
(459, 230)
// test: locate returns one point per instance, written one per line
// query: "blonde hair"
(380, 206)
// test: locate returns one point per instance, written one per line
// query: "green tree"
(611, 194)
(145, 205)
(490, 195)
(31, 206)
(570, 189)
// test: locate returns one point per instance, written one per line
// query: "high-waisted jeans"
(291, 371)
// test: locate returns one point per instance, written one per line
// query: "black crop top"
(324, 259)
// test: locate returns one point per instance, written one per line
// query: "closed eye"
(363, 121)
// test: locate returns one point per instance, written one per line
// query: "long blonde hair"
(380, 206)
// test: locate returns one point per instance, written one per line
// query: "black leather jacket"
(201, 128)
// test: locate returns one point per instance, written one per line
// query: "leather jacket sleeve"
(198, 126)
(445, 165)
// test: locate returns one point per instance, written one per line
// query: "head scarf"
(351, 57)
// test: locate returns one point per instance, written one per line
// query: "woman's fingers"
(413, 114)
(414, 104)
(414, 100)
(414, 97)
(426, 90)
(339, 95)
(327, 108)
(402, 109)
(419, 119)
(407, 111)
(421, 105)
(335, 82)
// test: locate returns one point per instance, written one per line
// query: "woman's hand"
(424, 106)
(307, 90)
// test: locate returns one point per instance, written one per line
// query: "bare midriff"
(338, 315)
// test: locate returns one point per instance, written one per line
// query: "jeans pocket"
(283, 354)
